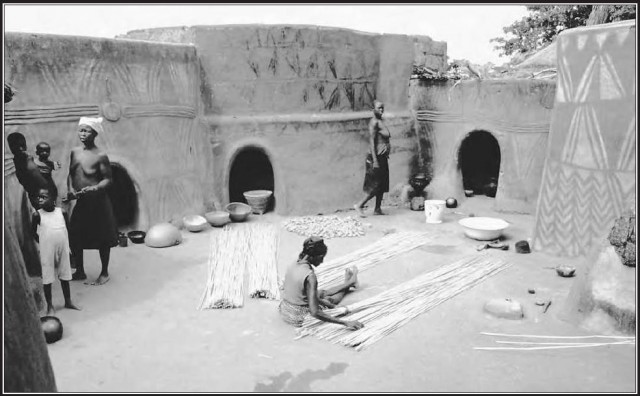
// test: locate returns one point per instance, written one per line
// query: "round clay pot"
(52, 328)
(419, 182)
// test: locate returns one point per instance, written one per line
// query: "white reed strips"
(535, 346)
(262, 264)
(562, 343)
(546, 336)
(325, 226)
(331, 273)
(390, 310)
(227, 260)
(576, 345)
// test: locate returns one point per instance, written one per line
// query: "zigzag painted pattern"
(576, 208)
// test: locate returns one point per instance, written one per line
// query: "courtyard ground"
(142, 331)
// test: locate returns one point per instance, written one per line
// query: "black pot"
(52, 328)
(419, 182)
(491, 189)
(137, 236)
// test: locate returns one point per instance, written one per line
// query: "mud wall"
(304, 94)
(149, 94)
(318, 164)
(516, 112)
(590, 170)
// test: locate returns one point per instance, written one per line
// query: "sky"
(467, 29)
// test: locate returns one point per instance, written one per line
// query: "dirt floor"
(142, 331)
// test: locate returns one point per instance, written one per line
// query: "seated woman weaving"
(301, 296)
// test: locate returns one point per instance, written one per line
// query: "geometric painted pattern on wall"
(585, 144)
(590, 178)
(627, 159)
(577, 207)
(600, 79)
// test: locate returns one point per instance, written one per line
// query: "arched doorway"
(479, 162)
(124, 198)
(251, 170)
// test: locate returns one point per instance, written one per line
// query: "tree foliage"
(544, 22)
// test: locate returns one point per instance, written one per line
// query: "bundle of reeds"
(386, 312)
(331, 273)
(228, 255)
(262, 263)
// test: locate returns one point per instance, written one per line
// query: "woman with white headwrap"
(93, 224)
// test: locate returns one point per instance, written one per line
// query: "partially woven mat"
(388, 311)
(331, 272)
(325, 226)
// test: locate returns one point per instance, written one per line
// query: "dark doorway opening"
(479, 162)
(124, 198)
(251, 170)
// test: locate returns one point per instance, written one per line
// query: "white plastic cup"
(434, 210)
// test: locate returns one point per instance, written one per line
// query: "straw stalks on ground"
(331, 273)
(227, 260)
(388, 311)
(263, 262)
(535, 346)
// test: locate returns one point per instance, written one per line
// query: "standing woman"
(93, 224)
(376, 178)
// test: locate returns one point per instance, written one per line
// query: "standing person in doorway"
(93, 224)
(376, 178)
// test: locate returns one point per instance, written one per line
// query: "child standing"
(49, 225)
(46, 166)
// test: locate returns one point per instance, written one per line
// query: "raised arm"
(35, 222)
(311, 284)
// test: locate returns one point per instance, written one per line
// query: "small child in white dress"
(49, 226)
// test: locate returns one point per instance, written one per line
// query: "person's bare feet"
(102, 279)
(359, 210)
(354, 276)
(71, 305)
(79, 275)
(51, 311)
(348, 274)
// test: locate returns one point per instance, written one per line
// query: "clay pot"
(490, 189)
(419, 181)
(52, 328)
(163, 235)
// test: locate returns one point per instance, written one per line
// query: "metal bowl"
(483, 228)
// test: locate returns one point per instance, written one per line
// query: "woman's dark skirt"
(93, 224)
(376, 180)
